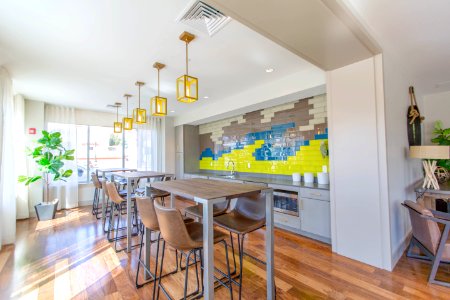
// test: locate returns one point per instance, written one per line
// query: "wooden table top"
(140, 174)
(207, 189)
(115, 170)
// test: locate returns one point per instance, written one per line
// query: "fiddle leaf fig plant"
(49, 155)
(441, 136)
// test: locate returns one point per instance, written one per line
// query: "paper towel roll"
(308, 177)
(296, 177)
(323, 178)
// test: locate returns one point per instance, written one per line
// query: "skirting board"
(85, 202)
(400, 250)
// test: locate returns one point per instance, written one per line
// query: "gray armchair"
(427, 236)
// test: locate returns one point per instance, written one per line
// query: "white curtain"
(23, 211)
(149, 145)
(7, 172)
(62, 119)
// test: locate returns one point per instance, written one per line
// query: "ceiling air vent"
(203, 17)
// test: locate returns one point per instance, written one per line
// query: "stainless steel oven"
(285, 202)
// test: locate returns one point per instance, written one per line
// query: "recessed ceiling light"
(205, 97)
(269, 70)
(172, 111)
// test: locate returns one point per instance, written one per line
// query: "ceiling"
(321, 31)
(87, 54)
(416, 32)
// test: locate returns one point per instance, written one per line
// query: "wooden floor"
(69, 258)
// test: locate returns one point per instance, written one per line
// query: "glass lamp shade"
(140, 115)
(117, 127)
(127, 123)
(158, 106)
(187, 89)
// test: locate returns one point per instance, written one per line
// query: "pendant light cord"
(187, 60)
(117, 113)
(158, 82)
(139, 96)
(127, 107)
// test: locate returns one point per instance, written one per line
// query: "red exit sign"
(31, 130)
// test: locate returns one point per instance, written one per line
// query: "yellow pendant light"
(127, 122)
(117, 124)
(187, 86)
(140, 114)
(158, 104)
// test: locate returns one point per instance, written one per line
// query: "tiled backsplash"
(282, 140)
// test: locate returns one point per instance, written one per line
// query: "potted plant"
(49, 156)
(441, 136)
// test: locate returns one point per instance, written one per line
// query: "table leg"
(103, 200)
(269, 246)
(172, 200)
(208, 249)
(129, 225)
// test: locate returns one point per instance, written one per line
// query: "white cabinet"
(315, 213)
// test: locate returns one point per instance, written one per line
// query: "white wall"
(236, 104)
(403, 172)
(358, 179)
(435, 107)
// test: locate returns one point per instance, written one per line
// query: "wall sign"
(31, 130)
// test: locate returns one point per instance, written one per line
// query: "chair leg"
(139, 262)
(438, 257)
(241, 261)
(234, 254)
(228, 270)
(186, 276)
(94, 209)
(160, 268)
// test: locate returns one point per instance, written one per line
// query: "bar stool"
(186, 238)
(248, 215)
(117, 205)
(147, 214)
(97, 191)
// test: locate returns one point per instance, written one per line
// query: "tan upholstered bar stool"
(187, 238)
(97, 192)
(248, 215)
(118, 203)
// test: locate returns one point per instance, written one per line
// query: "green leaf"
(446, 131)
(22, 178)
(67, 173)
(70, 157)
(70, 152)
(55, 134)
(45, 133)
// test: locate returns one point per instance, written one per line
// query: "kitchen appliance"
(285, 202)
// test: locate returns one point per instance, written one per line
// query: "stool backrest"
(103, 182)
(425, 231)
(172, 227)
(113, 193)
(252, 207)
(95, 181)
(147, 212)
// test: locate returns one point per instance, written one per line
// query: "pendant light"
(158, 104)
(127, 122)
(140, 114)
(187, 86)
(117, 124)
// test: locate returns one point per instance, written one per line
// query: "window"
(98, 147)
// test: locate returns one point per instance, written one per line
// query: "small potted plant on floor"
(49, 156)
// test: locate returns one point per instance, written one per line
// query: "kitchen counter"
(267, 180)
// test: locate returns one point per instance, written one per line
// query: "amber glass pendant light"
(187, 86)
(140, 114)
(127, 122)
(117, 124)
(158, 104)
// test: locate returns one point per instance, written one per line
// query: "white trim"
(398, 252)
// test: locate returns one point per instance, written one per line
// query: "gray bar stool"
(248, 215)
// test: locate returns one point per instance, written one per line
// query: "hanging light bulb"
(158, 104)
(140, 114)
(187, 86)
(117, 124)
(127, 122)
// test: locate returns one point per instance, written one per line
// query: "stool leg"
(241, 261)
(139, 261)
(234, 254)
(186, 274)
(161, 268)
(228, 270)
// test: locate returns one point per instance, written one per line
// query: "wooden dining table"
(104, 172)
(209, 192)
(130, 177)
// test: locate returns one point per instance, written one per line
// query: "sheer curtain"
(23, 211)
(149, 145)
(7, 173)
(62, 119)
